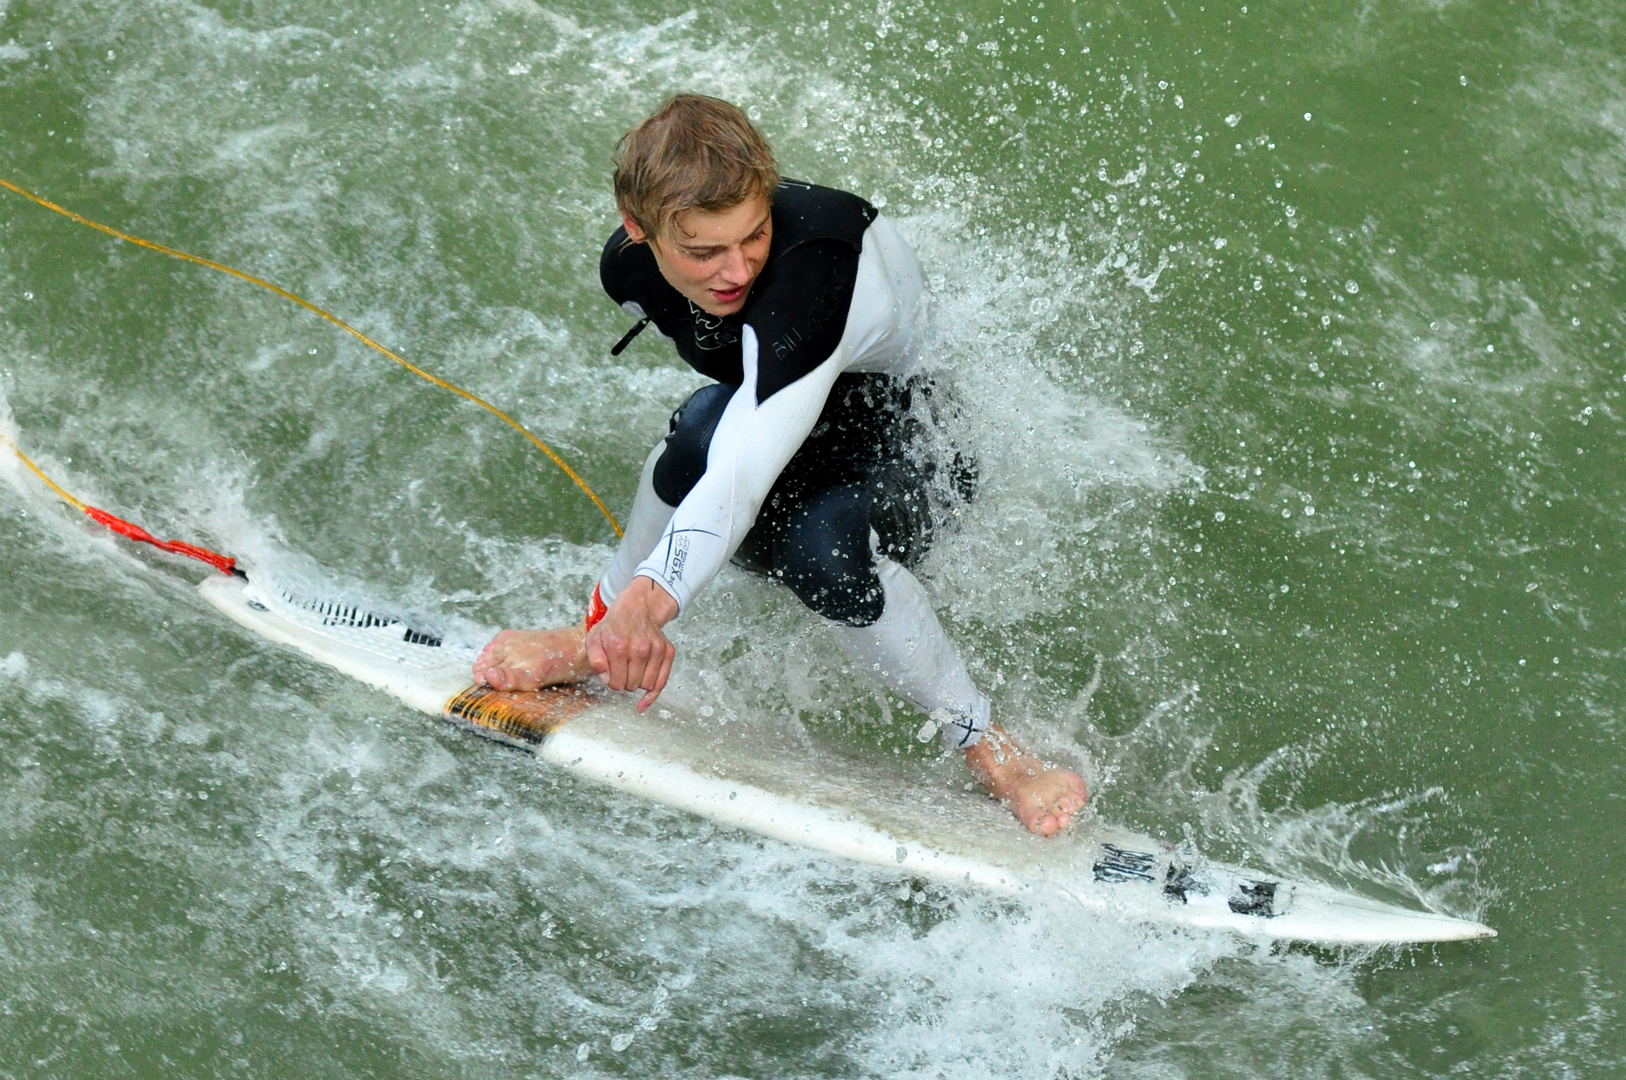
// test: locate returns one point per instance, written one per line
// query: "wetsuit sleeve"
(752, 444)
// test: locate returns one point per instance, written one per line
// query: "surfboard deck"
(780, 784)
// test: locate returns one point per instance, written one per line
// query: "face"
(712, 257)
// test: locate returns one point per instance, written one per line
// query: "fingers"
(636, 662)
(666, 669)
(657, 682)
(597, 657)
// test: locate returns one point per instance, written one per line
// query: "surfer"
(800, 460)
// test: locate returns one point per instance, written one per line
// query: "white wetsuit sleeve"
(751, 446)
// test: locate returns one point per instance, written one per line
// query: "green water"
(1295, 342)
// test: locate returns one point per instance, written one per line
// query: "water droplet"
(1219, 515)
(1351, 287)
(1233, 120)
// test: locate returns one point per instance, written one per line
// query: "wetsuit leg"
(645, 525)
(683, 461)
(906, 651)
(821, 550)
(828, 550)
(672, 468)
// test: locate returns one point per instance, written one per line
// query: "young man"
(799, 301)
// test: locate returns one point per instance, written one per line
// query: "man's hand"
(627, 648)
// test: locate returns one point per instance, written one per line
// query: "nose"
(735, 268)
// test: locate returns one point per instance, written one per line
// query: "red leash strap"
(224, 563)
(596, 610)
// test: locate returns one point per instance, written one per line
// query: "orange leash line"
(224, 563)
(35, 469)
(336, 321)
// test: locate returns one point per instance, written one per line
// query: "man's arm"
(751, 446)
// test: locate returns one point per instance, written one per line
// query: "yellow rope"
(336, 321)
(35, 469)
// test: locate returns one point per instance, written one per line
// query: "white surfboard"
(819, 797)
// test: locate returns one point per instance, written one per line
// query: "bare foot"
(532, 659)
(1043, 797)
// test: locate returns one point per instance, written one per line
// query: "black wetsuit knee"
(822, 551)
(852, 478)
(683, 462)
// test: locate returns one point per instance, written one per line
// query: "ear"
(634, 233)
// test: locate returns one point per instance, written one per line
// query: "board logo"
(1254, 898)
(1118, 864)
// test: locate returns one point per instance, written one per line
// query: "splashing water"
(1251, 543)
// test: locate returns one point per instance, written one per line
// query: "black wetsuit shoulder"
(798, 305)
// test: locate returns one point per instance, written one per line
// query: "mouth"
(728, 296)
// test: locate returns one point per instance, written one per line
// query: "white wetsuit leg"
(645, 525)
(907, 651)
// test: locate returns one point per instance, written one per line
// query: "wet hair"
(692, 153)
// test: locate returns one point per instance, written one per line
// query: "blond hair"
(692, 153)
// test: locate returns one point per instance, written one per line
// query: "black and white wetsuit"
(795, 462)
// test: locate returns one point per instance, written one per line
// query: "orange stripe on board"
(517, 716)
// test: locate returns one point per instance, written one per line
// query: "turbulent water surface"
(1294, 342)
